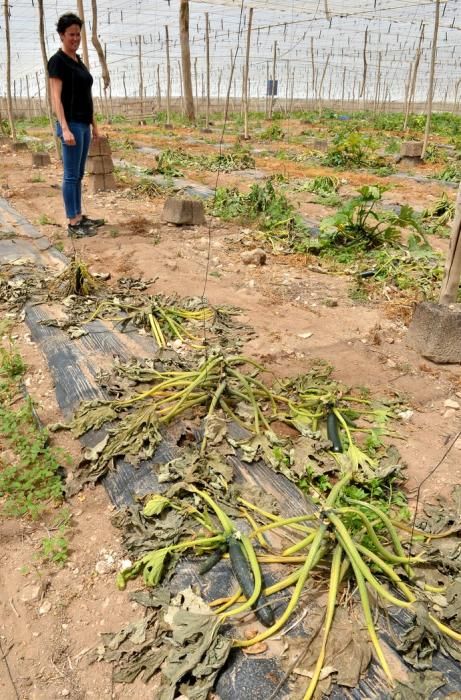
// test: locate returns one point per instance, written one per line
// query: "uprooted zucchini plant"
(355, 525)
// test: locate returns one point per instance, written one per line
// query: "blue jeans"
(74, 159)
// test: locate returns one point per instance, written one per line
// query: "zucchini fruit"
(242, 570)
(213, 559)
(333, 432)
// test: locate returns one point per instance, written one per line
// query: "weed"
(45, 220)
(55, 548)
(37, 178)
(452, 173)
(29, 481)
(272, 133)
(439, 215)
(325, 187)
(358, 225)
(353, 150)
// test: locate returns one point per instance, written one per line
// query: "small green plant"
(439, 215)
(452, 173)
(29, 479)
(325, 187)
(272, 133)
(351, 149)
(45, 220)
(359, 225)
(55, 547)
(37, 178)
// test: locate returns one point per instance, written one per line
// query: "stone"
(449, 413)
(100, 147)
(44, 608)
(435, 332)
(254, 257)
(183, 212)
(411, 149)
(40, 159)
(101, 183)
(100, 165)
(18, 146)
(450, 403)
(30, 592)
(320, 145)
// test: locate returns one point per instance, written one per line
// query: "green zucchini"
(212, 559)
(333, 432)
(244, 576)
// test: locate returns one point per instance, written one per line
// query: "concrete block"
(254, 257)
(409, 160)
(39, 160)
(320, 145)
(411, 149)
(101, 182)
(183, 212)
(99, 165)
(435, 332)
(18, 146)
(101, 147)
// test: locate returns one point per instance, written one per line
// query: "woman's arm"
(56, 90)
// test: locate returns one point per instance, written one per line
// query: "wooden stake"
(39, 92)
(319, 96)
(168, 75)
(411, 95)
(365, 68)
(430, 92)
(141, 79)
(159, 92)
(246, 76)
(81, 14)
(49, 108)
(185, 59)
(207, 55)
(9, 102)
(452, 275)
(274, 63)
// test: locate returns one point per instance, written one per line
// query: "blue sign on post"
(272, 87)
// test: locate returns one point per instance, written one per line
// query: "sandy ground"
(50, 618)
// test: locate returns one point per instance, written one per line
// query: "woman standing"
(70, 83)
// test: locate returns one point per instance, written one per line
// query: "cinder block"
(39, 160)
(409, 161)
(411, 149)
(18, 146)
(183, 212)
(320, 145)
(435, 332)
(101, 182)
(100, 147)
(99, 165)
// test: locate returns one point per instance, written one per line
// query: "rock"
(254, 257)
(30, 592)
(106, 565)
(183, 212)
(449, 403)
(405, 415)
(40, 159)
(435, 332)
(44, 608)
(306, 335)
(65, 692)
(449, 413)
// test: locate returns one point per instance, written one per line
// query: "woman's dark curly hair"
(66, 21)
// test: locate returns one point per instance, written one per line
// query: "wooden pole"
(30, 109)
(99, 50)
(39, 92)
(141, 79)
(452, 275)
(287, 86)
(343, 87)
(365, 68)
(185, 59)
(208, 79)
(168, 75)
(159, 91)
(274, 64)
(81, 14)
(196, 84)
(9, 102)
(49, 108)
(319, 96)
(430, 91)
(181, 85)
(411, 95)
(246, 76)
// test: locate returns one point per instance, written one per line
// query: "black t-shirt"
(76, 86)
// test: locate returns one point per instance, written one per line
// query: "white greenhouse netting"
(323, 47)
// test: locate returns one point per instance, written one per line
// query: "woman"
(70, 83)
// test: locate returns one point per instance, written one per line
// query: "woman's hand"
(68, 137)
